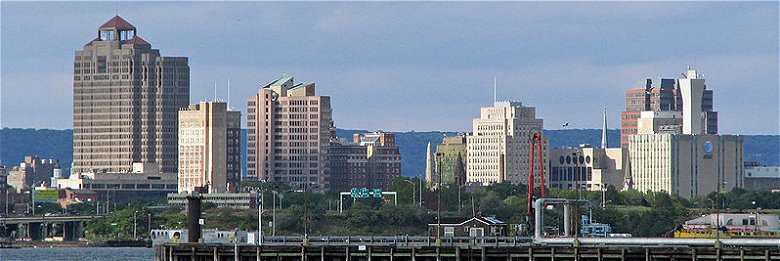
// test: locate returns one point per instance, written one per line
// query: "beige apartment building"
(288, 134)
(498, 149)
(209, 148)
(126, 98)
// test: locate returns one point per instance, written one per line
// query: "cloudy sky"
(415, 66)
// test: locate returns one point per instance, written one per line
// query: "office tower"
(209, 148)
(674, 150)
(126, 99)
(370, 160)
(288, 134)
(665, 95)
(498, 149)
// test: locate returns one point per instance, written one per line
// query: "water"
(77, 253)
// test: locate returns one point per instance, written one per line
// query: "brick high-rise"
(288, 134)
(126, 99)
(660, 95)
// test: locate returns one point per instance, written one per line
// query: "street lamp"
(259, 200)
(135, 224)
(414, 190)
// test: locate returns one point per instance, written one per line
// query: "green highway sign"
(365, 193)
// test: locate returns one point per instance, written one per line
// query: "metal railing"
(413, 241)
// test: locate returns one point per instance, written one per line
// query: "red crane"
(536, 139)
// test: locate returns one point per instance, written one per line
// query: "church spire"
(604, 144)
(430, 165)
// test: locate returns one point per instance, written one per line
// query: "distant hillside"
(16, 143)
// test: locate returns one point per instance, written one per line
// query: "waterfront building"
(33, 170)
(371, 160)
(498, 149)
(450, 161)
(666, 95)
(759, 177)
(126, 98)
(209, 148)
(477, 226)
(288, 134)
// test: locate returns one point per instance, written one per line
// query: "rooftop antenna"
(494, 90)
(228, 98)
(215, 92)
(604, 144)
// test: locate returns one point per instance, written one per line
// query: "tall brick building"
(371, 160)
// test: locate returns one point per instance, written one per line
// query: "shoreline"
(74, 244)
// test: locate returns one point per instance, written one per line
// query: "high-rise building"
(288, 134)
(371, 160)
(675, 150)
(209, 148)
(664, 95)
(498, 149)
(126, 99)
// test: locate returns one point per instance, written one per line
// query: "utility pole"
(273, 215)
(438, 207)
(421, 192)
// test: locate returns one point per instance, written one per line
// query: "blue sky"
(415, 66)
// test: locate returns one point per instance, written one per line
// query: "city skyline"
(568, 60)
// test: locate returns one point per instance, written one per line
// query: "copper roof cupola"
(116, 29)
